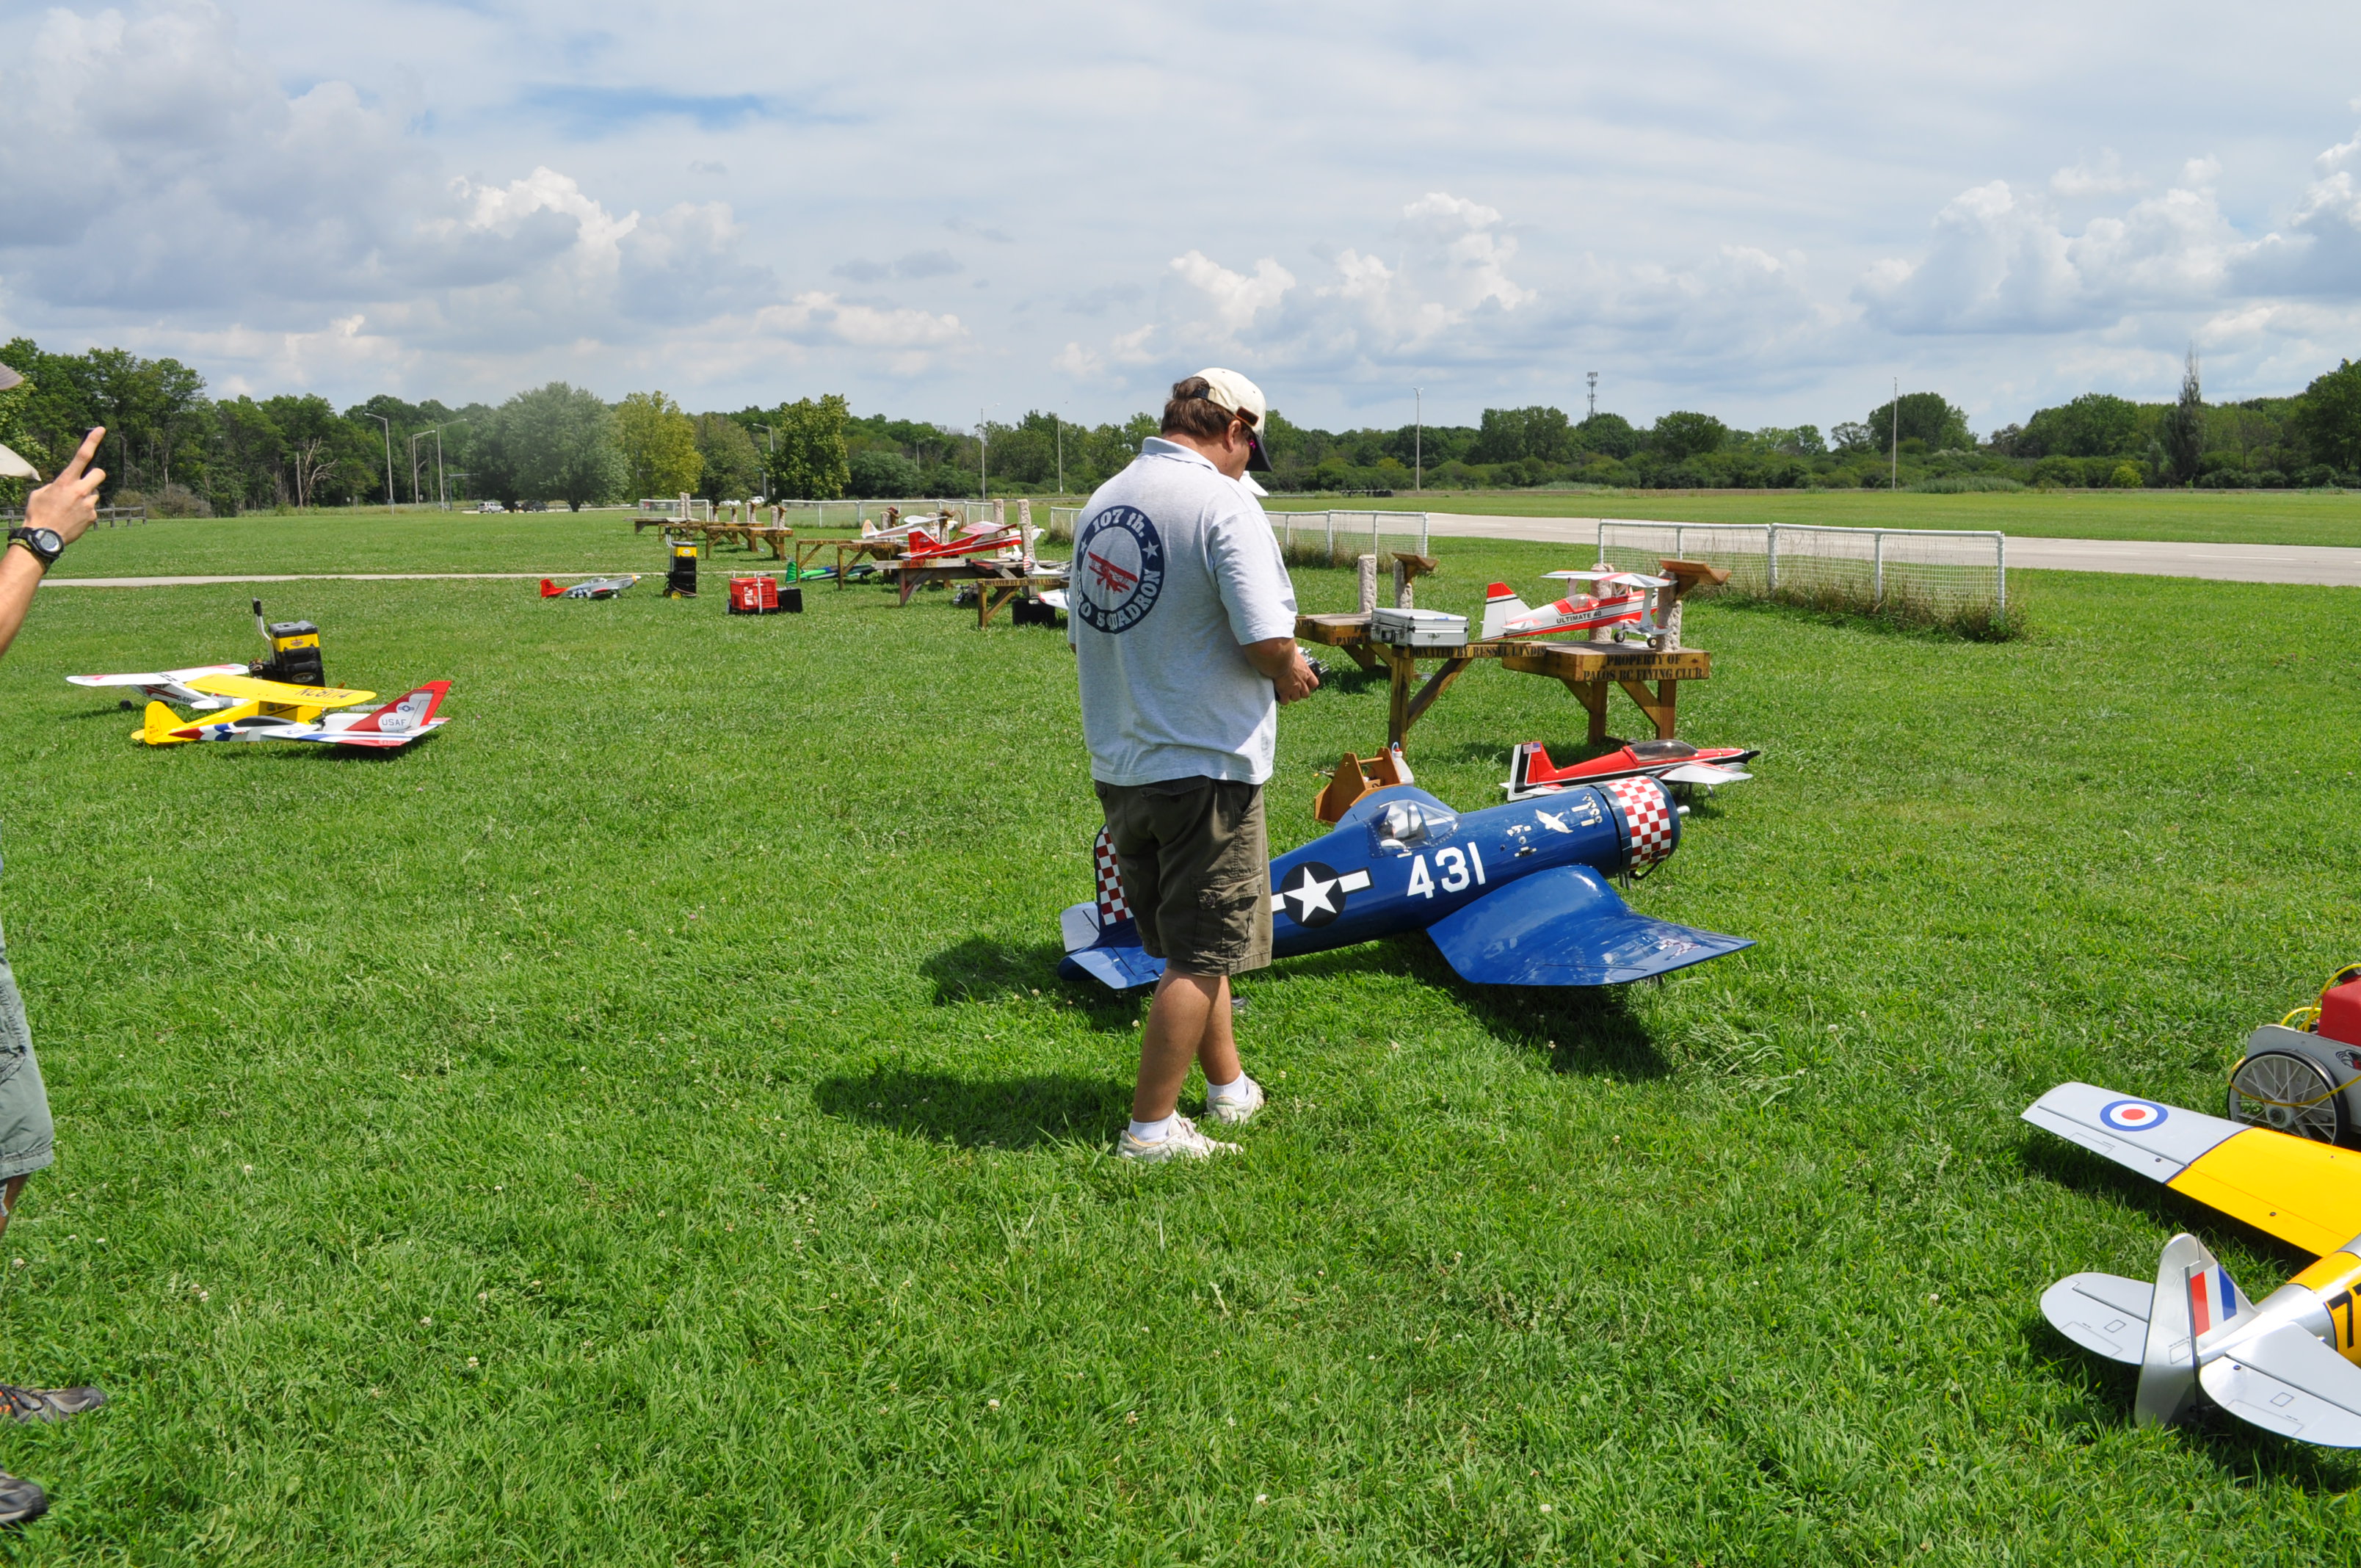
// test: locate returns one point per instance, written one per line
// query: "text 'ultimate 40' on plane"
(2283, 1164)
(1513, 894)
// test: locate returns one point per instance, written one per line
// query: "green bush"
(2126, 476)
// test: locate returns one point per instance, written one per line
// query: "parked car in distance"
(490, 505)
(532, 506)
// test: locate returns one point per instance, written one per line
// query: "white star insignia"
(1312, 895)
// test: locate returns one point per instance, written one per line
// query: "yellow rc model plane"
(2287, 1362)
(275, 711)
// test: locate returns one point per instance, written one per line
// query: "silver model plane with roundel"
(1513, 894)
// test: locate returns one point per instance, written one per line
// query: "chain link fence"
(1954, 579)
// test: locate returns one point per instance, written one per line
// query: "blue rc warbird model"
(1513, 894)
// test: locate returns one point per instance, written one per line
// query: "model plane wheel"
(2287, 1093)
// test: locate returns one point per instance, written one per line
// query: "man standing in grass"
(1183, 624)
(55, 516)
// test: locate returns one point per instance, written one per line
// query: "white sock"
(1152, 1132)
(1240, 1088)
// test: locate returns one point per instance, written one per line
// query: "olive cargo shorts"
(1195, 866)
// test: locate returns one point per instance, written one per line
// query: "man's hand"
(69, 503)
(1283, 665)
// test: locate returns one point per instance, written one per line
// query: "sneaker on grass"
(1183, 1142)
(20, 1499)
(1237, 1107)
(47, 1404)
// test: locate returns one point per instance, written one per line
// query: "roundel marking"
(2133, 1115)
(1312, 893)
(1119, 569)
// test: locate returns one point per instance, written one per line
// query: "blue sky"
(1764, 213)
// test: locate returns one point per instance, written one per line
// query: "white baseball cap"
(1228, 390)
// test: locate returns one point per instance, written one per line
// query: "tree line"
(177, 451)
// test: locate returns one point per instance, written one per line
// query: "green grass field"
(361, 540)
(2259, 517)
(642, 1124)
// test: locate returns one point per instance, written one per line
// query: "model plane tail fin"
(158, 724)
(405, 714)
(2194, 1294)
(550, 590)
(1500, 606)
(1529, 768)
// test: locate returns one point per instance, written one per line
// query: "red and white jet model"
(1530, 772)
(1614, 598)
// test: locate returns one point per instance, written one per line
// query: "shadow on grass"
(999, 1112)
(2105, 1392)
(990, 970)
(1579, 1029)
(2055, 1159)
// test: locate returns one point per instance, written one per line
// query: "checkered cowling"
(1648, 811)
(1112, 907)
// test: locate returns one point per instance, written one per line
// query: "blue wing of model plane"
(1566, 926)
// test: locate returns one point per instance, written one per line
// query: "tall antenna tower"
(1593, 378)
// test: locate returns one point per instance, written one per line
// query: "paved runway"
(2320, 563)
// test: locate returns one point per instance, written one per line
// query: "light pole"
(415, 437)
(389, 461)
(983, 453)
(443, 484)
(1058, 425)
(1418, 440)
(771, 446)
(1894, 426)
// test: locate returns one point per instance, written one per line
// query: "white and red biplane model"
(1616, 600)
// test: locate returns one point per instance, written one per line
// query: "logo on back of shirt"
(1119, 569)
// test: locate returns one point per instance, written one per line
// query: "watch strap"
(25, 537)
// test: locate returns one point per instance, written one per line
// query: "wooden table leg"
(1592, 695)
(1361, 655)
(1402, 666)
(1436, 685)
(1658, 704)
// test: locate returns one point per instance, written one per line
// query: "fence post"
(1422, 535)
(1330, 517)
(1375, 549)
(1999, 572)
(1877, 568)
(1771, 560)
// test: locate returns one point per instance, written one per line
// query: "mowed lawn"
(642, 1124)
(2248, 517)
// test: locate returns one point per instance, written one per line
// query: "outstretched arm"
(67, 506)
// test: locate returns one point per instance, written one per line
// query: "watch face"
(47, 541)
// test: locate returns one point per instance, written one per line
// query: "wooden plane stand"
(1589, 669)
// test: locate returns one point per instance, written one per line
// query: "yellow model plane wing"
(2300, 1190)
(279, 694)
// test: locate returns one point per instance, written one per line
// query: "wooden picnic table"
(752, 535)
(998, 583)
(1589, 670)
(856, 550)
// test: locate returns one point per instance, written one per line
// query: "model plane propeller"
(1513, 894)
(2286, 1364)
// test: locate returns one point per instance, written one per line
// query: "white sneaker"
(1235, 1110)
(1183, 1142)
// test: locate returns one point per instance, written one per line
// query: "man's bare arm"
(67, 506)
(1283, 665)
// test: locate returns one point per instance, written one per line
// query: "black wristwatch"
(43, 542)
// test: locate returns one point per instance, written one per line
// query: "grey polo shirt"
(1175, 567)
